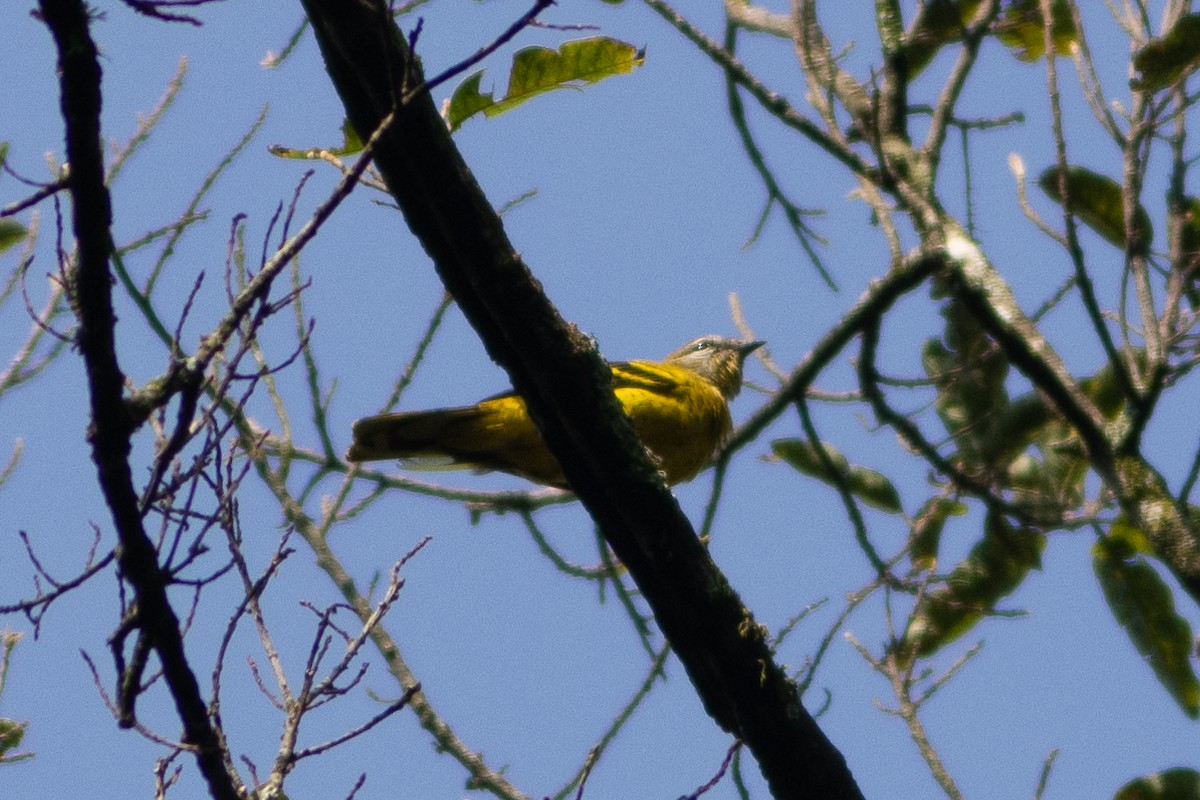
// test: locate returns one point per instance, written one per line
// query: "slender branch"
(653, 673)
(41, 194)
(758, 20)
(943, 110)
(843, 489)
(1044, 777)
(160, 390)
(878, 297)
(1082, 277)
(792, 212)
(522, 22)
(775, 103)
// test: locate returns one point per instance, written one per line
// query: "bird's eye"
(701, 346)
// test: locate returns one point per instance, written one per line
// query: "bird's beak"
(746, 348)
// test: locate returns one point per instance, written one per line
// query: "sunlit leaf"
(536, 70)
(1143, 604)
(468, 101)
(869, 486)
(11, 734)
(1165, 60)
(11, 232)
(1172, 784)
(940, 23)
(351, 144)
(1097, 201)
(1021, 29)
(994, 568)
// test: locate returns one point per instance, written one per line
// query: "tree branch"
(79, 81)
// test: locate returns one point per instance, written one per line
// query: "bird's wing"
(647, 375)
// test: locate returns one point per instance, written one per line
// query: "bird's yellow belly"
(681, 430)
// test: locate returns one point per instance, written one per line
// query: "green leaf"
(994, 568)
(1165, 60)
(940, 23)
(1096, 200)
(11, 734)
(11, 731)
(468, 101)
(874, 489)
(927, 530)
(351, 144)
(1172, 784)
(3, 153)
(536, 70)
(1189, 234)
(11, 232)
(970, 372)
(1016, 426)
(1021, 29)
(1143, 604)
(869, 486)
(1105, 392)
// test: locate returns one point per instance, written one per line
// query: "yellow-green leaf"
(1096, 200)
(806, 458)
(994, 568)
(970, 372)
(1189, 232)
(1171, 784)
(11, 734)
(1143, 604)
(872, 487)
(1016, 426)
(927, 530)
(1165, 60)
(1021, 29)
(351, 144)
(11, 232)
(940, 23)
(1104, 391)
(536, 70)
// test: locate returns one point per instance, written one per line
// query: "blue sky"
(644, 200)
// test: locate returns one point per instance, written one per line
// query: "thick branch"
(568, 389)
(79, 75)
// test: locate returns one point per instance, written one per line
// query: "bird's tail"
(410, 434)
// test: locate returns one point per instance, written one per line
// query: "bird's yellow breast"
(680, 417)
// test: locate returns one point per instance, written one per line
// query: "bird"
(679, 408)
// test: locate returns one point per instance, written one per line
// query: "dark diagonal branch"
(569, 393)
(79, 81)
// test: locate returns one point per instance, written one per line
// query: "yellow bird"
(678, 406)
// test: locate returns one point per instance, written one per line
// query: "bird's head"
(716, 359)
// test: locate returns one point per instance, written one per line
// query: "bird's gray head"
(716, 359)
